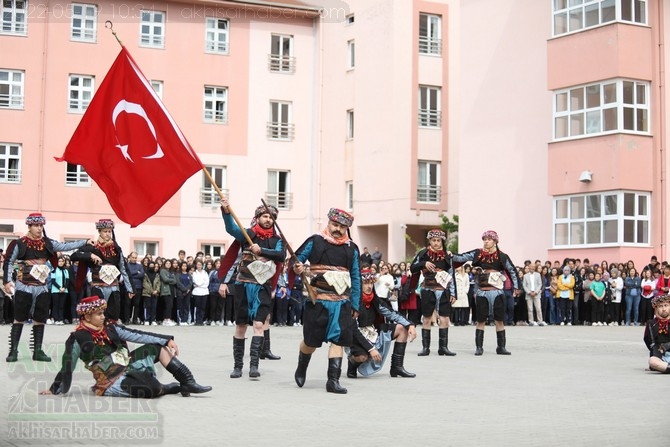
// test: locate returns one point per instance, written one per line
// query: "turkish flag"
(130, 145)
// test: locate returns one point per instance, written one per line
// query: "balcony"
(282, 200)
(10, 175)
(430, 118)
(209, 196)
(428, 193)
(429, 45)
(280, 131)
(281, 64)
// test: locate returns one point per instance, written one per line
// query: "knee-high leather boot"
(238, 358)
(301, 371)
(479, 341)
(254, 356)
(425, 342)
(14, 337)
(38, 336)
(265, 350)
(352, 369)
(502, 341)
(334, 372)
(397, 360)
(187, 383)
(444, 342)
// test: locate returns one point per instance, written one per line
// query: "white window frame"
(279, 189)
(83, 23)
(602, 219)
(215, 250)
(428, 182)
(281, 58)
(215, 104)
(208, 194)
(143, 248)
(17, 18)
(80, 94)
(430, 106)
(351, 124)
(5, 240)
(280, 126)
(10, 162)
(158, 88)
(593, 109)
(572, 16)
(430, 39)
(349, 188)
(14, 85)
(76, 175)
(152, 31)
(351, 54)
(217, 35)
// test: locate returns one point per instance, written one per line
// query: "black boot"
(425, 342)
(187, 383)
(444, 342)
(301, 371)
(265, 349)
(171, 388)
(238, 358)
(397, 360)
(352, 369)
(501, 344)
(14, 337)
(254, 354)
(479, 341)
(38, 336)
(334, 372)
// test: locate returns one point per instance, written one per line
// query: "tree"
(451, 230)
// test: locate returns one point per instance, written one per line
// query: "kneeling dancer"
(372, 341)
(102, 347)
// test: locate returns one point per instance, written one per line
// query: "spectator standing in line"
(648, 286)
(616, 286)
(60, 278)
(366, 257)
(533, 286)
(565, 295)
(282, 298)
(136, 274)
(376, 257)
(598, 292)
(167, 294)
(633, 286)
(183, 292)
(215, 297)
(460, 307)
(151, 289)
(200, 291)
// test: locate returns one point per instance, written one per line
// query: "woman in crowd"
(215, 298)
(553, 290)
(648, 289)
(151, 288)
(200, 292)
(184, 286)
(587, 297)
(460, 307)
(59, 290)
(597, 288)
(168, 284)
(633, 287)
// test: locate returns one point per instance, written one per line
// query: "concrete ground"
(577, 386)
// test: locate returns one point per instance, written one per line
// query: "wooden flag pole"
(230, 209)
(110, 26)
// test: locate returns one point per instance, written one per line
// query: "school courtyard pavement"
(562, 386)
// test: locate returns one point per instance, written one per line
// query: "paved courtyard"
(577, 386)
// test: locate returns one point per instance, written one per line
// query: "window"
(216, 104)
(608, 218)
(350, 195)
(351, 54)
(214, 250)
(281, 54)
(11, 89)
(6, 240)
(80, 92)
(280, 126)
(575, 15)
(606, 107)
(350, 124)
(10, 163)
(14, 17)
(430, 34)
(216, 35)
(428, 189)
(152, 29)
(208, 194)
(350, 19)
(279, 189)
(430, 114)
(83, 24)
(76, 175)
(158, 88)
(143, 248)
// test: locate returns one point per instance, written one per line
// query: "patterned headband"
(655, 301)
(341, 217)
(367, 275)
(35, 219)
(436, 232)
(490, 234)
(104, 224)
(90, 304)
(274, 212)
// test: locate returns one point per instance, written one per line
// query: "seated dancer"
(657, 335)
(372, 339)
(102, 347)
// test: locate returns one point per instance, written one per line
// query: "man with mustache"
(657, 335)
(336, 280)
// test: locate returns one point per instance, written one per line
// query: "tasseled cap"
(436, 232)
(655, 301)
(90, 304)
(367, 275)
(341, 217)
(104, 224)
(490, 234)
(274, 212)
(35, 219)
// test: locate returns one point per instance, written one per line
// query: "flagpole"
(110, 26)
(230, 210)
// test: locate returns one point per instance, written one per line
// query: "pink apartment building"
(543, 120)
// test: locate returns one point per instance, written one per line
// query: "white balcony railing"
(282, 64)
(281, 131)
(282, 200)
(428, 193)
